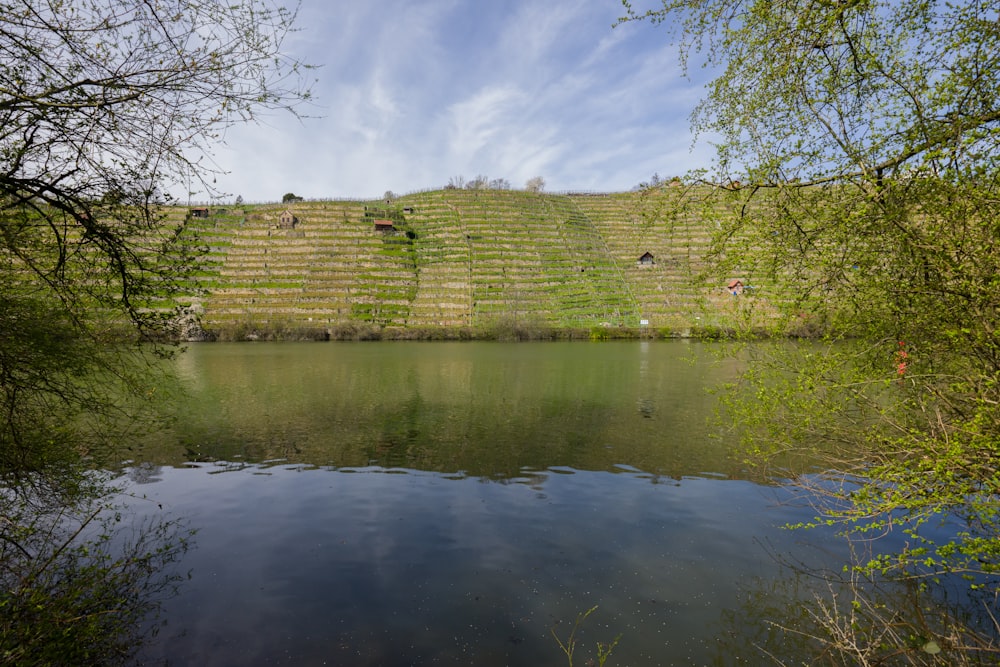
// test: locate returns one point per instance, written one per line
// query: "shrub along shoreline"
(354, 331)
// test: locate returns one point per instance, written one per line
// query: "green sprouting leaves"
(865, 135)
(569, 645)
(77, 586)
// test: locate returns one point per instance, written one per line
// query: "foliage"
(859, 153)
(106, 107)
(480, 182)
(845, 620)
(78, 580)
(291, 197)
(104, 102)
(69, 390)
(654, 182)
(569, 646)
(869, 631)
(599, 333)
(102, 105)
(535, 184)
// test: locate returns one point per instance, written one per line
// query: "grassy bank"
(370, 332)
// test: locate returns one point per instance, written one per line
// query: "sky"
(409, 94)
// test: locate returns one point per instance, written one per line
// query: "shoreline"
(354, 332)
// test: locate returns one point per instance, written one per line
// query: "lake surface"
(454, 503)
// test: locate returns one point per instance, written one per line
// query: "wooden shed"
(384, 226)
(735, 287)
(199, 212)
(646, 259)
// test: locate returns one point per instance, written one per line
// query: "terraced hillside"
(455, 258)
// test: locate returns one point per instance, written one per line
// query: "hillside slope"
(457, 258)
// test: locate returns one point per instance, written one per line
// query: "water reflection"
(375, 566)
(404, 504)
(487, 409)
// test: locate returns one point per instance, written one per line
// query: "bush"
(80, 582)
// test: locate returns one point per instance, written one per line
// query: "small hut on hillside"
(287, 220)
(384, 226)
(735, 287)
(646, 259)
(199, 212)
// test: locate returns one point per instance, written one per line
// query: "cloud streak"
(410, 94)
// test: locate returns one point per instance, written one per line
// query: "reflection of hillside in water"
(486, 409)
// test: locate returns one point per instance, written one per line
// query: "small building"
(646, 259)
(287, 220)
(408, 210)
(199, 213)
(735, 287)
(384, 226)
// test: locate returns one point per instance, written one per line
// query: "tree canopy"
(858, 159)
(106, 108)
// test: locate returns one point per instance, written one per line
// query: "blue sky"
(410, 93)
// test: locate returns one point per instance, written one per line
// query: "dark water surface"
(453, 503)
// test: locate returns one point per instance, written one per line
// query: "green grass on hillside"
(478, 260)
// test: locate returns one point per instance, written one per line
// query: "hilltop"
(478, 262)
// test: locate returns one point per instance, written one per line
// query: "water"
(456, 503)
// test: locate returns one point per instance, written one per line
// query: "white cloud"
(412, 93)
(482, 118)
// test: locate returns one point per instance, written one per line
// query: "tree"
(865, 138)
(105, 106)
(535, 184)
(654, 182)
(68, 600)
(480, 182)
(290, 197)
